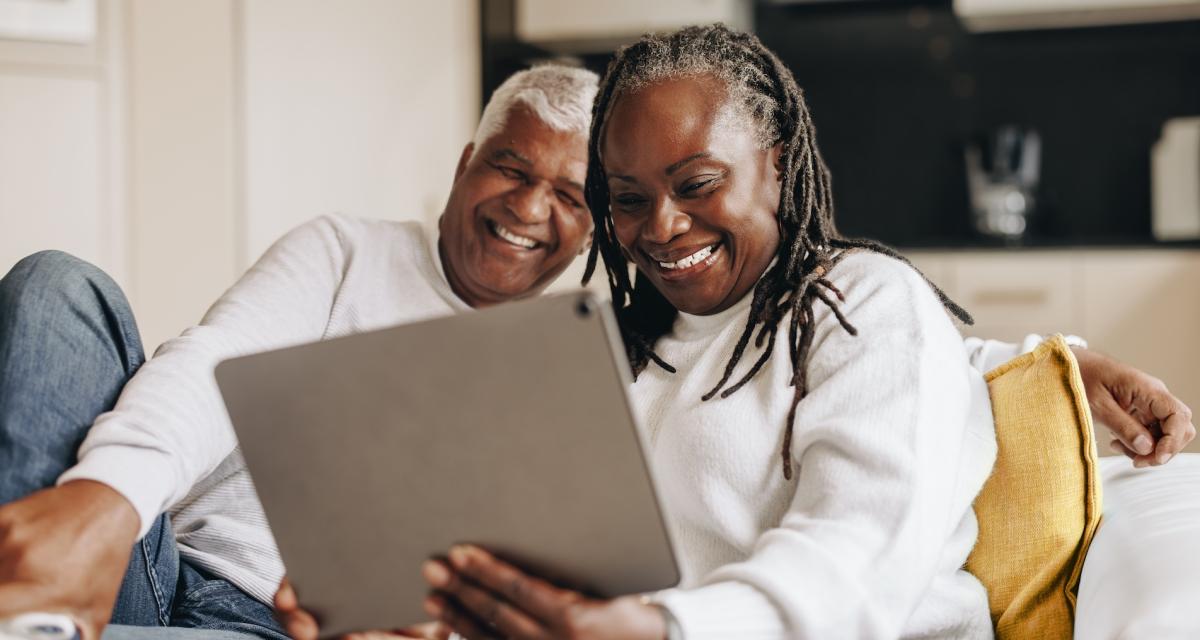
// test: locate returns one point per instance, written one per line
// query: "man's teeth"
(520, 241)
(695, 258)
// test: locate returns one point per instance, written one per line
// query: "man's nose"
(530, 203)
(666, 222)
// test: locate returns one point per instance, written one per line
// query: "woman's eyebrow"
(669, 170)
(695, 156)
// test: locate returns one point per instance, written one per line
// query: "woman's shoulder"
(883, 295)
(863, 276)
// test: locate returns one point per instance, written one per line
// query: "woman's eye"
(698, 186)
(628, 201)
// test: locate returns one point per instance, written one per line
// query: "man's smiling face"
(516, 216)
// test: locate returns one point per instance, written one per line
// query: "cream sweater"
(891, 445)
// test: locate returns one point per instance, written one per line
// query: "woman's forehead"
(675, 117)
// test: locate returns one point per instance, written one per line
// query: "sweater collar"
(688, 326)
(432, 235)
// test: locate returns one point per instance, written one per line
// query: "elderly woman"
(815, 425)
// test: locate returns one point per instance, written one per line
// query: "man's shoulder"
(357, 231)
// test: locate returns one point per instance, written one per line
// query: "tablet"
(508, 427)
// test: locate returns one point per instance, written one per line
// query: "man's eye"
(567, 199)
(509, 172)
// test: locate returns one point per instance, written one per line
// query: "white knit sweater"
(891, 445)
(168, 443)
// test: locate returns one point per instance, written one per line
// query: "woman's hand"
(1148, 424)
(301, 625)
(480, 596)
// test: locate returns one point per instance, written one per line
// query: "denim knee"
(50, 286)
(52, 273)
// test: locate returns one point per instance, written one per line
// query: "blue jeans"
(68, 344)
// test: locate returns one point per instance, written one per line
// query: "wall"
(359, 107)
(176, 148)
(182, 170)
(62, 147)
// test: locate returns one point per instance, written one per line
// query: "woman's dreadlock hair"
(764, 89)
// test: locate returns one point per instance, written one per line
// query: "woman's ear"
(463, 160)
(777, 160)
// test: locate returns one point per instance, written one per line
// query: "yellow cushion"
(1040, 508)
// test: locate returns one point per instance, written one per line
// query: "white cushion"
(1141, 578)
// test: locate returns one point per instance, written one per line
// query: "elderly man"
(515, 219)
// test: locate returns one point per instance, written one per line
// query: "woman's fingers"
(542, 600)
(429, 631)
(484, 605)
(447, 611)
(298, 623)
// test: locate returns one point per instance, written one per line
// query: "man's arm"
(1148, 423)
(65, 549)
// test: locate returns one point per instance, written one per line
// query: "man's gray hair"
(558, 95)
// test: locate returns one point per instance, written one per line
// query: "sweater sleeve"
(878, 451)
(169, 427)
(986, 355)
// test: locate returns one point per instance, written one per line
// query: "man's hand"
(66, 550)
(301, 625)
(1148, 424)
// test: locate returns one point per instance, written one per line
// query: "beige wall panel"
(1143, 307)
(360, 107)
(50, 168)
(183, 241)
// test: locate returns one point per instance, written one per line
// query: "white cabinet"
(1140, 306)
(999, 15)
(557, 21)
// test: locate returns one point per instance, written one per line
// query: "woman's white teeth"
(520, 241)
(695, 258)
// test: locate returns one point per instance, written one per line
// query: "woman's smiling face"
(692, 193)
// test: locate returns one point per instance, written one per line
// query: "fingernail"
(433, 608)
(1139, 463)
(458, 556)
(1163, 457)
(435, 573)
(1142, 444)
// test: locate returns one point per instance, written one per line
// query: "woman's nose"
(666, 222)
